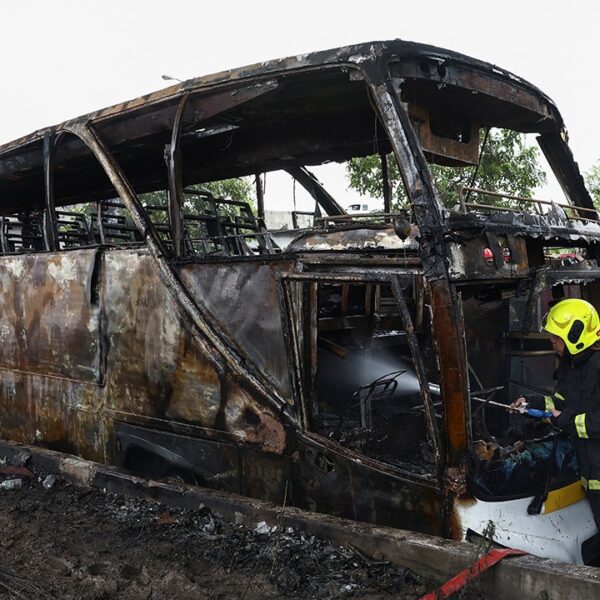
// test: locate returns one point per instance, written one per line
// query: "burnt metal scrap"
(150, 324)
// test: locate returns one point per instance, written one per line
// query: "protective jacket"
(577, 396)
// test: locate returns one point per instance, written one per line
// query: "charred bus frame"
(221, 386)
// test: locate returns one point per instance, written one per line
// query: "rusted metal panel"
(467, 259)
(396, 502)
(50, 321)
(155, 368)
(267, 476)
(357, 238)
(328, 481)
(252, 423)
(434, 68)
(207, 463)
(159, 370)
(242, 300)
(214, 345)
(54, 412)
(155, 364)
(449, 332)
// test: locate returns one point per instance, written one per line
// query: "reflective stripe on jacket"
(577, 396)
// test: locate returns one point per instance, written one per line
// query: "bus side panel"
(242, 299)
(335, 483)
(155, 365)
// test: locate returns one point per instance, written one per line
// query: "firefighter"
(574, 329)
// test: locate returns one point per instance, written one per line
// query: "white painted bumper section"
(557, 534)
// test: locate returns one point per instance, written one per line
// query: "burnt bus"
(148, 323)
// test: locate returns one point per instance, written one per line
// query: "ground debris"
(75, 543)
(20, 459)
(16, 471)
(49, 482)
(11, 484)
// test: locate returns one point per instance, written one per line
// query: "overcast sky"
(63, 58)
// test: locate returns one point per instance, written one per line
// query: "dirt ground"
(66, 542)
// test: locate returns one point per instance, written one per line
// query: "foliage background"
(507, 165)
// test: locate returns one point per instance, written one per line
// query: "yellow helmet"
(575, 321)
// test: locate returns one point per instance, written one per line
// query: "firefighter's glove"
(564, 421)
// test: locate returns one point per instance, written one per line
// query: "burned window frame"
(302, 358)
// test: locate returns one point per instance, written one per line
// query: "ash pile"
(60, 541)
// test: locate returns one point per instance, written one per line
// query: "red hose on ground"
(483, 564)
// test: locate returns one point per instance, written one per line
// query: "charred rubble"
(68, 542)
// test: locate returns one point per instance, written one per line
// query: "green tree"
(592, 180)
(507, 165)
(239, 188)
